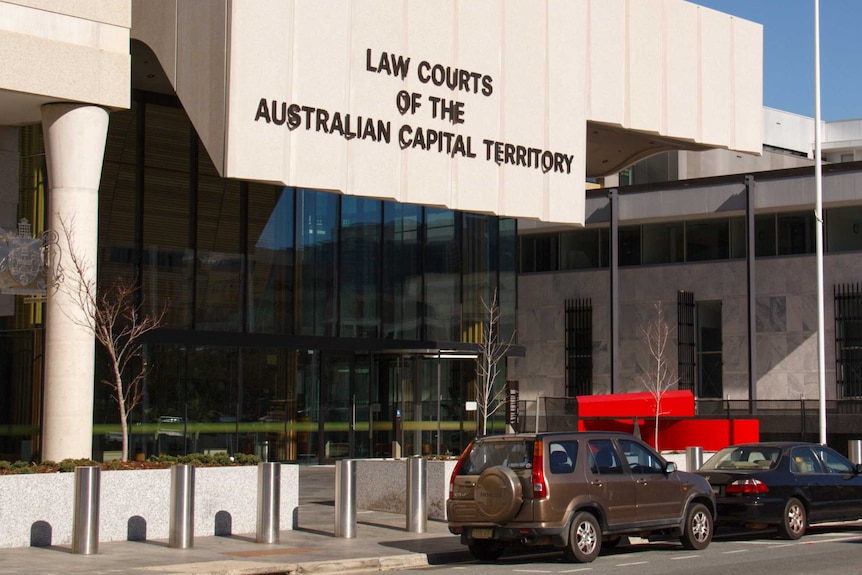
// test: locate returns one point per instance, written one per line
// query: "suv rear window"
(487, 454)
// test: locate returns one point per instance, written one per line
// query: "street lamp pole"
(818, 178)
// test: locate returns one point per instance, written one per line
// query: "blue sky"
(788, 53)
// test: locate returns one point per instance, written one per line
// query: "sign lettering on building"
(470, 106)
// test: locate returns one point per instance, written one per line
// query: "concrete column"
(74, 148)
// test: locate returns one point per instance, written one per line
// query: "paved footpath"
(382, 543)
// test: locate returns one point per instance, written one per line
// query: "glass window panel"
(479, 245)
(579, 249)
(442, 275)
(316, 260)
(604, 247)
(118, 253)
(508, 276)
(361, 232)
(844, 229)
(630, 246)
(539, 252)
(795, 233)
(764, 235)
(168, 259)
(738, 240)
(707, 240)
(402, 271)
(270, 259)
(663, 243)
(265, 417)
(219, 261)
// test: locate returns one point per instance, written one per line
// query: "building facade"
(743, 328)
(322, 197)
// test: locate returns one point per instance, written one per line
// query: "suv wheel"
(486, 549)
(585, 538)
(498, 494)
(697, 531)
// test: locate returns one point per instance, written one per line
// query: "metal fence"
(779, 419)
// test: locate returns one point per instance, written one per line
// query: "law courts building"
(322, 194)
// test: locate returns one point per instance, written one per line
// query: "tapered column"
(74, 148)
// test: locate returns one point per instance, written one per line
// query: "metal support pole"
(693, 458)
(85, 534)
(345, 498)
(268, 502)
(417, 495)
(182, 519)
(616, 362)
(854, 450)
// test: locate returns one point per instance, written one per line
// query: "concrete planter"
(381, 485)
(38, 509)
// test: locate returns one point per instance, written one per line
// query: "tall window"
(316, 260)
(360, 266)
(402, 271)
(579, 347)
(686, 341)
(848, 339)
(709, 350)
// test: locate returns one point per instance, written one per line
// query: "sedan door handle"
(642, 481)
(597, 482)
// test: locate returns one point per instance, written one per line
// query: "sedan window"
(744, 457)
(802, 460)
(833, 461)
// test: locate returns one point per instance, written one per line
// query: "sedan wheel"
(697, 532)
(794, 521)
(585, 538)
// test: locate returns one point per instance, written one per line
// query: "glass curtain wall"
(301, 325)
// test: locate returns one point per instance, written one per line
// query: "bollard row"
(345, 496)
(85, 535)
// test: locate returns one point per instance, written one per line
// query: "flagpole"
(818, 179)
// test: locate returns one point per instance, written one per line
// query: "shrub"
(154, 462)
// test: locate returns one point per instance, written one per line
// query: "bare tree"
(656, 376)
(492, 351)
(117, 323)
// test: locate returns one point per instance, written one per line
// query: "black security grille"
(579, 347)
(848, 339)
(686, 341)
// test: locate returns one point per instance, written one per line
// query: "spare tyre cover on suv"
(498, 494)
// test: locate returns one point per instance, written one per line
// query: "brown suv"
(572, 490)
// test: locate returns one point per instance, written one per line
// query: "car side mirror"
(669, 467)
(858, 469)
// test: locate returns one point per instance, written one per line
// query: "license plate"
(482, 532)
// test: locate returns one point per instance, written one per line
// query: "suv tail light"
(746, 487)
(537, 477)
(457, 469)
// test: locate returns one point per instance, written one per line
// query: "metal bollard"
(182, 519)
(268, 502)
(85, 534)
(417, 495)
(854, 451)
(693, 458)
(345, 498)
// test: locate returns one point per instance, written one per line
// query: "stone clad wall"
(39, 509)
(381, 485)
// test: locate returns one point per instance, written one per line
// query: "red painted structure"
(678, 428)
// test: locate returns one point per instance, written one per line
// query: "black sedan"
(784, 484)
